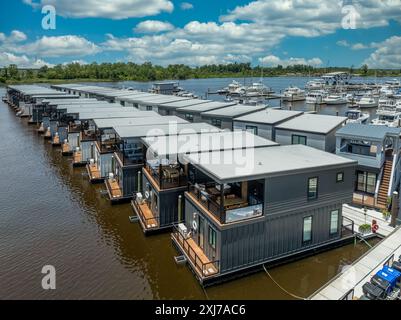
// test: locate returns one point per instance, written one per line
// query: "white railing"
(390, 187)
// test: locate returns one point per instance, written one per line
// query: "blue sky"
(196, 32)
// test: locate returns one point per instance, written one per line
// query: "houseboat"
(377, 150)
(128, 158)
(315, 97)
(107, 143)
(285, 202)
(263, 123)
(170, 108)
(313, 130)
(193, 113)
(223, 117)
(160, 203)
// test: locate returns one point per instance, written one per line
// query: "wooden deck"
(365, 200)
(93, 171)
(47, 135)
(114, 188)
(65, 148)
(77, 158)
(199, 261)
(148, 219)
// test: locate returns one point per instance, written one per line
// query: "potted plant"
(364, 228)
(386, 214)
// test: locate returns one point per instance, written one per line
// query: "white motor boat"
(293, 94)
(390, 117)
(257, 89)
(393, 83)
(315, 84)
(356, 116)
(315, 97)
(368, 101)
(386, 91)
(335, 99)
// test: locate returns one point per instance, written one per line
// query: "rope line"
(278, 285)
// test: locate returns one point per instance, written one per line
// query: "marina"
(203, 218)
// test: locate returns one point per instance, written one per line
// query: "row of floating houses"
(275, 193)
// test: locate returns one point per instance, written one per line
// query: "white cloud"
(186, 6)
(7, 58)
(387, 54)
(310, 18)
(274, 61)
(343, 43)
(153, 26)
(116, 9)
(14, 37)
(59, 46)
(359, 46)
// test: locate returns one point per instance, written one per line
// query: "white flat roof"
(315, 123)
(69, 101)
(269, 116)
(159, 99)
(105, 114)
(137, 121)
(232, 111)
(211, 105)
(73, 109)
(265, 162)
(172, 128)
(201, 142)
(184, 103)
(98, 104)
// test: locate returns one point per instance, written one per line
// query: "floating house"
(129, 158)
(100, 166)
(263, 123)
(160, 203)
(193, 113)
(282, 202)
(223, 117)
(172, 107)
(377, 150)
(314, 130)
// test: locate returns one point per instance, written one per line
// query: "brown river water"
(51, 215)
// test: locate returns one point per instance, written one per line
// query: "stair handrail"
(395, 159)
(379, 179)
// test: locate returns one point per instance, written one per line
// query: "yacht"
(234, 88)
(335, 99)
(388, 103)
(356, 116)
(393, 83)
(389, 117)
(293, 94)
(315, 97)
(386, 91)
(315, 84)
(257, 89)
(368, 101)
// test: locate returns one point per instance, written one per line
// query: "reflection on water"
(51, 214)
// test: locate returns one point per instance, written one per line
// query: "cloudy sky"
(196, 32)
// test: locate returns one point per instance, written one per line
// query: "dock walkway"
(361, 271)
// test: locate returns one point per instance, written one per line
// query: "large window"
(312, 188)
(296, 139)
(189, 117)
(307, 230)
(252, 129)
(212, 237)
(216, 123)
(334, 222)
(149, 108)
(366, 182)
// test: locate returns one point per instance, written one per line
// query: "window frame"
(254, 129)
(331, 221)
(342, 177)
(216, 122)
(212, 237)
(298, 138)
(317, 189)
(307, 241)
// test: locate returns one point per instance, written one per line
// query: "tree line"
(120, 71)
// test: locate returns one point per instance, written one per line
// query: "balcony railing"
(347, 226)
(167, 176)
(203, 266)
(127, 158)
(145, 214)
(233, 209)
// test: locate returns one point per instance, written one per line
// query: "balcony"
(129, 157)
(166, 176)
(106, 146)
(200, 263)
(233, 208)
(365, 200)
(148, 220)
